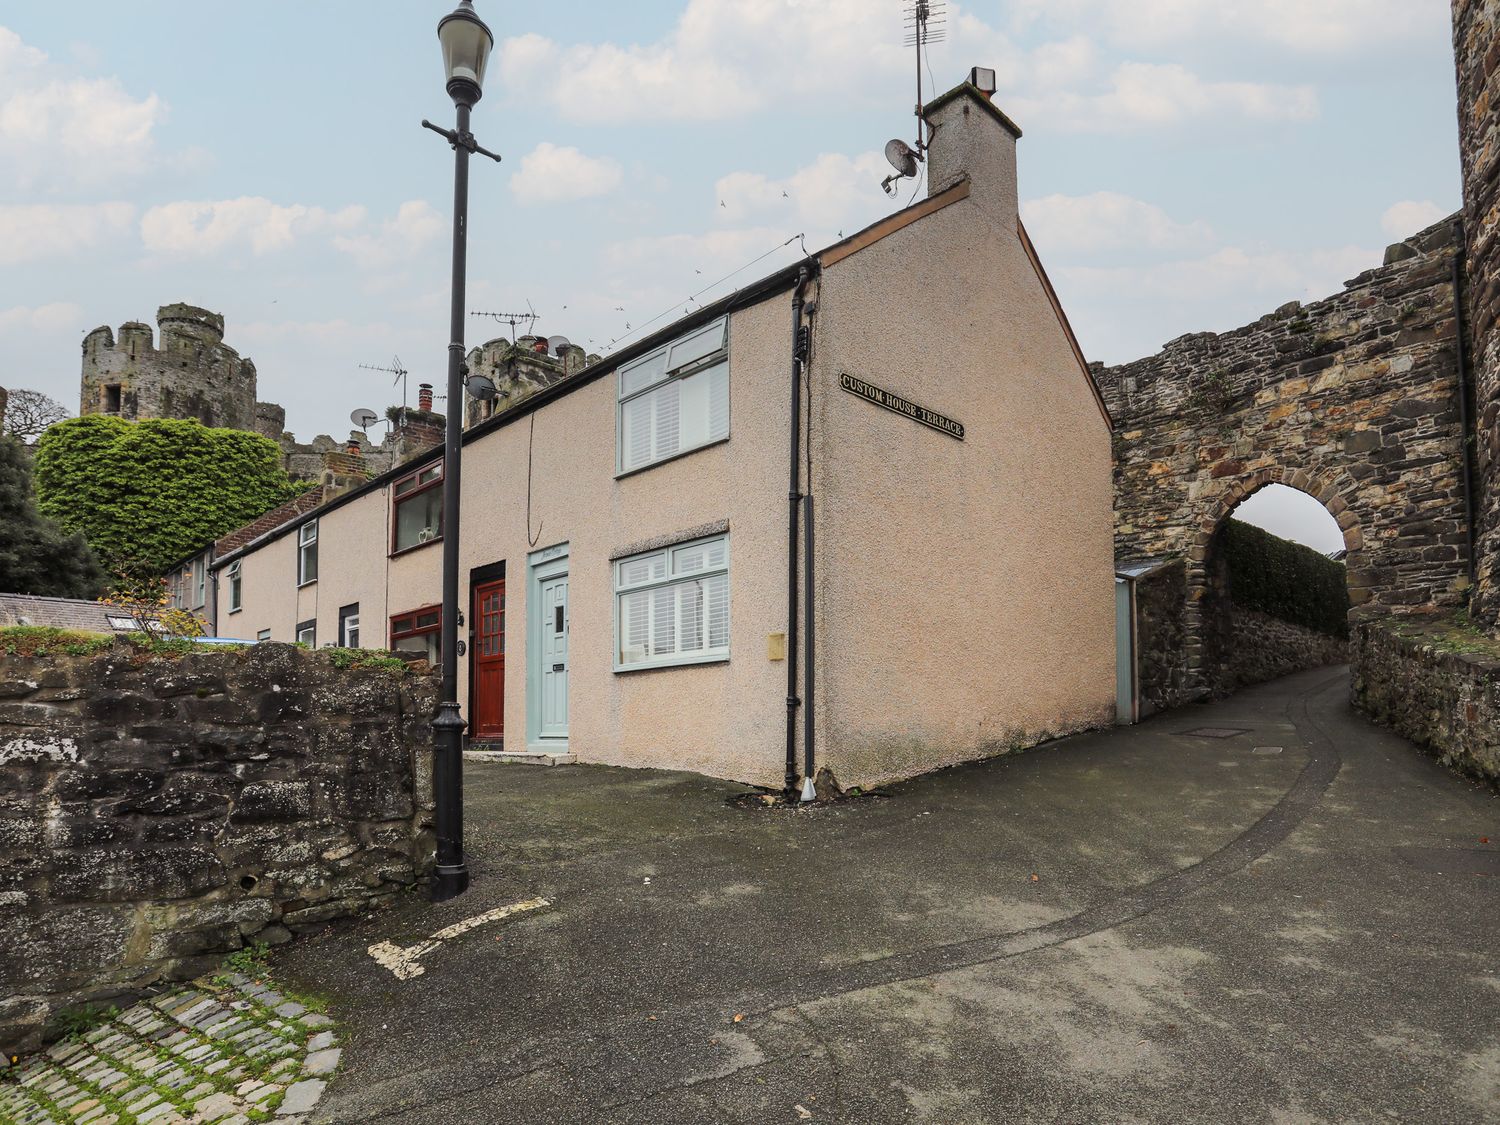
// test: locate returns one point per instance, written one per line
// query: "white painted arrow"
(403, 960)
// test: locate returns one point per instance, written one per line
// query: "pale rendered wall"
(965, 589)
(719, 719)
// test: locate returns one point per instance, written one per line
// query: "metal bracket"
(464, 140)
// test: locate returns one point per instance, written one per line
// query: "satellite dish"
(364, 418)
(555, 344)
(481, 387)
(901, 156)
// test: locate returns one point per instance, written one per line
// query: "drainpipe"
(793, 503)
(1463, 399)
(809, 770)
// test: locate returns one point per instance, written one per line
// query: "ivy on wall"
(147, 494)
(1285, 579)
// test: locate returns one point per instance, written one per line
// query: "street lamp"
(466, 49)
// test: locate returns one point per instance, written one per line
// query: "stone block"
(274, 800)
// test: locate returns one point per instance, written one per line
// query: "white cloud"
(1107, 221)
(551, 173)
(58, 133)
(59, 316)
(1150, 95)
(188, 228)
(834, 191)
(1404, 219)
(30, 232)
(1312, 27)
(415, 225)
(723, 59)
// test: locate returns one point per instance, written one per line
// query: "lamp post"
(466, 49)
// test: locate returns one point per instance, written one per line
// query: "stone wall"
(1266, 648)
(1435, 685)
(158, 813)
(1160, 645)
(1477, 54)
(1353, 399)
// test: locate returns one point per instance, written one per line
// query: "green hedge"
(1285, 579)
(146, 494)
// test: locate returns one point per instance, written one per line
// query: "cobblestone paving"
(229, 1051)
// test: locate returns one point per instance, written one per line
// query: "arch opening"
(1273, 591)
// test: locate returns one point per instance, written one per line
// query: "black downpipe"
(793, 502)
(1463, 400)
(810, 767)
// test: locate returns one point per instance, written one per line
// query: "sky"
(1187, 165)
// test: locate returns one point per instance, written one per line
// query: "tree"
(147, 494)
(37, 556)
(29, 413)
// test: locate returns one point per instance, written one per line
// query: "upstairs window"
(112, 398)
(417, 508)
(200, 583)
(307, 553)
(675, 399)
(236, 585)
(672, 606)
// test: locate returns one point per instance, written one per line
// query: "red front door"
(488, 704)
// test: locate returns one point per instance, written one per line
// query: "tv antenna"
(925, 23)
(395, 369)
(530, 316)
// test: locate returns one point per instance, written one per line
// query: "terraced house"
(640, 587)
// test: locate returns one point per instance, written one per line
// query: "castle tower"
(191, 373)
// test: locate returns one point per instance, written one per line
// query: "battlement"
(183, 369)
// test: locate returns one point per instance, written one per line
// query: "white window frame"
(673, 577)
(306, 542)
(676, 361)
(310, 630)
(200, 583)
(263, 635)
(236, 585)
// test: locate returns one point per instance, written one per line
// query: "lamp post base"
(450, 882)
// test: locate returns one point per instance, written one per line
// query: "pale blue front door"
(553, 650)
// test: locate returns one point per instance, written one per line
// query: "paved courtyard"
(1298, 921)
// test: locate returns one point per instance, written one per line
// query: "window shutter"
(664, 621)
(668, 419)
(717, 589)
(635, 615)
(718, 402)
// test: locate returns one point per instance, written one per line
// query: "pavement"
(1296, 922)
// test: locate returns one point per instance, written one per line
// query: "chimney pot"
(424, 397)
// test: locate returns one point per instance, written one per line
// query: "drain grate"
(1215, 732)
(1268, 750)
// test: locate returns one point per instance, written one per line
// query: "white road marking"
(403, 960)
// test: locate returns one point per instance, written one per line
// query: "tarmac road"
(1294, 923)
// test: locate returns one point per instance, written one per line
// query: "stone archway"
(1335, 496)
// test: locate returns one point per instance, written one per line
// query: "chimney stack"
(424, 397)
(972, 138)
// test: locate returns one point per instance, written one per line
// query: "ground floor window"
(307, 633)
(263, 635)
(349, 626)
(672, 605)
(419, 631)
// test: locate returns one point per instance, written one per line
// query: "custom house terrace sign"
(898, 405)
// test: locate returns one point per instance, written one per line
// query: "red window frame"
(415, 630)
(398, 498)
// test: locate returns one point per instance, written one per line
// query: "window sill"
(676, 662)
(678, 456)
(232, 612)
(309, 582)
(415, 547)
